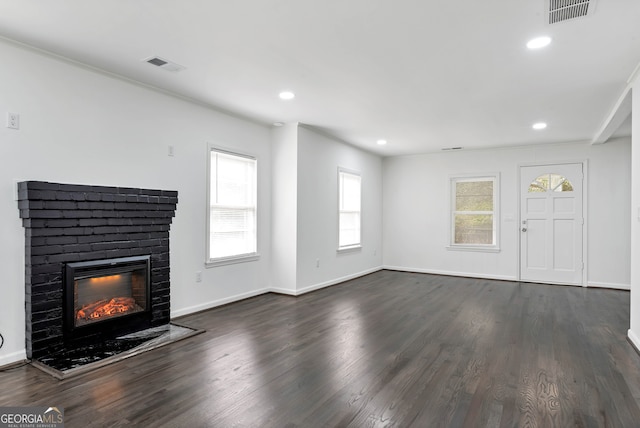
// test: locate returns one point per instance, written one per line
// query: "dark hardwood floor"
(389, 349)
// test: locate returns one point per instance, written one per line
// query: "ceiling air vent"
(564, 10)
(164, 64)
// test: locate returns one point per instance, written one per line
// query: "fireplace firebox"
(106, 291)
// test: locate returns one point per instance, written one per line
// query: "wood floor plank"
(389, 349)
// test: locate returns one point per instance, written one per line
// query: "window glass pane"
(234, 180)
(536, 188)
(474, 196)
(349, 228)
(349, 187)
(225, 244)
(474, 229)
(560, 184)
(350, 199)
(553, 182)
(232, 215)
(225, 219)
(540, 184)
(565, 187)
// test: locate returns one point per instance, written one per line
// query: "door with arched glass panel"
(551, 224)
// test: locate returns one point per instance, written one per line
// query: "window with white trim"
(474, 212)
(349, 190)
(232, 225)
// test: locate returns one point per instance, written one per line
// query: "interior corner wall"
(80, 126)
(284, 219)
(634, 329)
(416, 210)
(318, 262)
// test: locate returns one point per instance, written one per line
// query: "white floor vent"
(564, 10)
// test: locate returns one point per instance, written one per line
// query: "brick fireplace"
(74, 227)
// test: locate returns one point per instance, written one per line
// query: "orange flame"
(102, 279)
(103, 309)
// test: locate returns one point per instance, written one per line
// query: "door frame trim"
(585, 213)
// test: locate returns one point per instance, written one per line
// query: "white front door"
(551, 224)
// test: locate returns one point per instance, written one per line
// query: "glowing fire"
(107, 308)
(102, 279)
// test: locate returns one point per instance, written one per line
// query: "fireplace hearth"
(97, 263)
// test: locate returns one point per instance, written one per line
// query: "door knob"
(524, 229)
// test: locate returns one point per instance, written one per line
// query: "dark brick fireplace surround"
(71, 223)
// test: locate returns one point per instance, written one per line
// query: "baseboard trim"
(609, 285)
(325, 284)
(614, 286)
(13, 358)
(287, 292)
(283, 291)
(220, 302)
(236, 298)
(451, 273)
(634, 340)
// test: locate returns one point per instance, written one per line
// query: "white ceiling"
(424, 75)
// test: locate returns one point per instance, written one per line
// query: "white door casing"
(551, 224)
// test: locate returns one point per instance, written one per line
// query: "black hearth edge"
(68, 223)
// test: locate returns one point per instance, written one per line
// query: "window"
(474, 212)
(550, 182)
(349, 210)
(232, 234)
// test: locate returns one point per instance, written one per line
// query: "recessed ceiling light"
(287, 95)
(381, 142)
(278, 123)
(538, 126)
(539, 42)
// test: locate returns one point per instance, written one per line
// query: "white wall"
(318, 160)
(416, 210)
(79, 126)
(634, 330)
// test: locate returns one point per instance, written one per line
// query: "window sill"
(223, 261)
(349, 249)
(477, 248)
